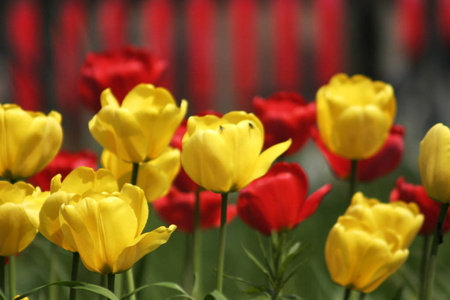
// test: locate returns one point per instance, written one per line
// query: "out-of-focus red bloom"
(178, 208)
(119, 70)
(183, 182)
(408, 192)
(382, 163)
(277, 201)
(63, 163)
(285, 115)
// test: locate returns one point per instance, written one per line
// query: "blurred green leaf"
(258, 264)
(75, 285)
(169, 285)
(215, 295)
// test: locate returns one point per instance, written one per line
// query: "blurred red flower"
(277, 201)
(119, 70)
(408, 192)
(382, 163)
(183, 182)
(178, 208)
(63, 163)
(285, 115)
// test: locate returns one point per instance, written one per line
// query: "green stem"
(134, 173)
(111, 280)
(74, 274)
(53, 290)
(362, 295)
(222, 235)
(347, 294)
(352, 188)
(196, 289)
(187, 262)
(2, 273)
(427, 288)
(129, 274)
(427, 241)
(12, 276)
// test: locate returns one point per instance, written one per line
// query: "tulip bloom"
(19, 210)
(354, 115)
(119, 70)
(370, 242)
(376, 166)
(141, 128)
(277, 201)
(92, 214)
(154, 176)
(177, 207)
(434, 159)
(63, 163)
(30, 140)
(408, 192)
(285, 116)
(224, 154)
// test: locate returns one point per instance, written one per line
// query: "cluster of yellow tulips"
(101, 215)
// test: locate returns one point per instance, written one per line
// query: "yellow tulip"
(154, 176)
(106, 229)
(355, 114)
(91, 214)
(370, 242)
(19, 215)
(81, 182)
(29, 140)
(141, 128)
(224, 154)
(434, 159)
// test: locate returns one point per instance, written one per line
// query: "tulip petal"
(49, 221)
(134, 197)
(310, 205)
(16, 230)
(141, 246)
(359, 132)
(84, 179)
(265, 160)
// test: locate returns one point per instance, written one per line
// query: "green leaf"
(75, 285)
(2, 295)
(258, 264)
(215, 295)
(291, 297)
(169, 285)
(267, 261)
(292, 254)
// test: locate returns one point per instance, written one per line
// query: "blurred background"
(220, 54)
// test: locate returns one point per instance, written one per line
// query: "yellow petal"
(141, 246)
(434, 157)
(49, 222)
(107, 98)
(16, 230)
(39, 145)
(265, 160)
(85, 180)
(360, 132)
(134, 197)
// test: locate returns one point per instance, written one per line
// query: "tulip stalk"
(129, 274)
(74, 274)
(111, 279)
(347, 294)
(197, 247)
(427, 287)
(222, 235)
(2, 273)
(12, 276)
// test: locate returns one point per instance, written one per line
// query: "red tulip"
(63, 163)
(119, 70)
(285, 115)
(408, 192)
(183, 182)
(277, 201)
(178, 208)
(382, 163)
